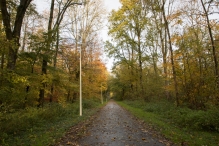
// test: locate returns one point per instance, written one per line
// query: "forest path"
(113, 126)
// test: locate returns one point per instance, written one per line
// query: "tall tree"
(155, 7)
(214, 52)
(171, 52)
(46, 58)
(127, 26)
(52, 32)
(13, 29)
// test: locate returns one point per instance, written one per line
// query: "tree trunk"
(45, 58)
(2, 68)
(171, 55)
(213, 47)
(164, 52)
(3, 53)
(54, 64)
(13, 35)
(163, 42)
(24, 38)
(140, 65)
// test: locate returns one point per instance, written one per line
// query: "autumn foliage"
(45, 66)
(165, 50)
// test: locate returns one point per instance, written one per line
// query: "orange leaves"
(176, 38)
(95, 78)
(174, 16)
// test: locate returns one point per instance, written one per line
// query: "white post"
(101, 95)
(80, 85)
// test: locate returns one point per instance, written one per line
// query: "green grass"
(166, 120)
(42, 126)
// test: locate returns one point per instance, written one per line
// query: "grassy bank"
(180, 125)
(42, 126)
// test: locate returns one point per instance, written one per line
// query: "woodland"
(165, 61)
(40, 53)
(166, 54)
(167, 49)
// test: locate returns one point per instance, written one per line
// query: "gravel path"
(114, 126)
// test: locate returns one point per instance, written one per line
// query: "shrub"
(203, 120)
(181, 116)
(90, 103)
(30, 117)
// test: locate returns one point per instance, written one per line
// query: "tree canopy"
(40, 52)
(166, 47)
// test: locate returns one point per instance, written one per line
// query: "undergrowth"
(194, 127)
(42, 126)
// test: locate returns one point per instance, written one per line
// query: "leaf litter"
(115, 126)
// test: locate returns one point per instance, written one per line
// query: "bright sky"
(109, 5)
(112, 4)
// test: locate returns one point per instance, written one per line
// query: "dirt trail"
(114, 126)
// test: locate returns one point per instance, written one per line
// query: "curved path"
(114, 126)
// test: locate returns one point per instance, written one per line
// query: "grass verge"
(168, 127)
(42, 126)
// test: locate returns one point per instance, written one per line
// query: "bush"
(90, 103)
(24, 122)
(28, 125)
(203, 120)
(32, 117)
(197, 120)
(183, 117)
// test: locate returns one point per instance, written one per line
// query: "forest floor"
(112, 126)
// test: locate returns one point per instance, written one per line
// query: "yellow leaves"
(129, 12)
(169, 88)
(71, 143)
(46, 78)
(174, 16)
(15, 78)
(62, 101)
(176, 38)
(128, 3)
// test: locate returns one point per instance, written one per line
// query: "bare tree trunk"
(13, 35)
(164, 52)
(2, 69)
(24, 38)
(213, 47)
(163, 41)
(171, 55)
(45, 60)
(3, 54)
(55, 61)
(140, 66)
(2, 61)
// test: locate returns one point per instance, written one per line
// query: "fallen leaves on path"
(112, 125)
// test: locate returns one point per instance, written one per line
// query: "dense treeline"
(166, 49)
(39, 53)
